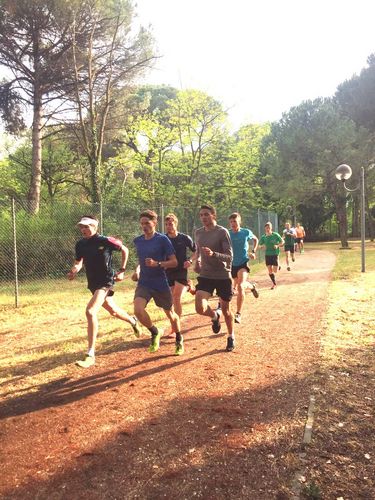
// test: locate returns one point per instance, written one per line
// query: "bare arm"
(77, 266)
(124, 260)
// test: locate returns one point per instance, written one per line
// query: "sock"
(91, 352)
(272, 276)
(153, 330)
(178, 337)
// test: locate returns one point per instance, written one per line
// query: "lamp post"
(343, 173)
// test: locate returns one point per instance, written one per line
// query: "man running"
(155, 255)
(214, 260)
(178, 276)
(289, 235)
(95, 253)
(300, 233)
(240, 238)
(271, 242)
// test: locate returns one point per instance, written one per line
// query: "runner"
(95, 253)
(300, 232)
(178, 276)
(271, 242)
(289, 235)
(240, 238)
(214, 259)
(155, 255)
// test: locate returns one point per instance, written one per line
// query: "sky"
(259, 58)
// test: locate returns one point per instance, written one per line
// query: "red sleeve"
(117, 244)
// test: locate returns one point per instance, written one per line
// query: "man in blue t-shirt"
(94, 251)
(155, 255)
(240, 238)
(178, 276)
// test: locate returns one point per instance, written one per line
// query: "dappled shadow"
(192, 447)
(64, 391)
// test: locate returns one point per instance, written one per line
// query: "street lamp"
(343, 173)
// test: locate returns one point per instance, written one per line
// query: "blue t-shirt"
(158, 248)
(180, 244)
(240, 243)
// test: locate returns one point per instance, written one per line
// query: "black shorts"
(272, 260)
(298, 240)
(223, 287)
(235, 269)
(110, 289)
(289, 248)
(179, 275)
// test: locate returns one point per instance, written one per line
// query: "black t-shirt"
(180, 244)
(96, 253)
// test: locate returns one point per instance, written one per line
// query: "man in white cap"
(95, 252)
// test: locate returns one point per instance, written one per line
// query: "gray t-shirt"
(218, 240)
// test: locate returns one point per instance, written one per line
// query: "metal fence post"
(259, 233)
(16, 295)
(101, 216)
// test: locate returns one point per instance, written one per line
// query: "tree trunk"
(33, 197)
(343, 222)
(95, 184)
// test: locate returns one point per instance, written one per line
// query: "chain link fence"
(36, 252)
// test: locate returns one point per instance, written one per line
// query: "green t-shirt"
(269, 240)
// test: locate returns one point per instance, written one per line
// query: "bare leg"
(228, 316)
(140, 311)
(92, 309)
(201, 304)
(178, 291)
(287, 254)
(116, 311)
(174, 320)
(241, 286)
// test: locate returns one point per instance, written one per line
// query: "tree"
(104, 72)
(302, 152)
(34, 47)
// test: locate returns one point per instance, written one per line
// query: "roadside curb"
(299, 476)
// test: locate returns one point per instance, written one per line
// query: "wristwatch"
(121, 270)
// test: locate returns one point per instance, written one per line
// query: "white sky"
(259, 58)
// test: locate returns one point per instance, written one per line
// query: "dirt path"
(210, 424)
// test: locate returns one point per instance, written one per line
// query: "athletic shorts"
(162, 299)
(223, 287)
(104, 287)
(272, 260)
(298, 240)
(179, 275)
(235, 269)
(289, 248)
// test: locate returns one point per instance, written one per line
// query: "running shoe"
(237, 318)
(87, 362)
(230, 344)
(254, 291)
(179, 347)
(216, 326)
(288, 268)
(155, 342)
(273, 286)
(135, 326)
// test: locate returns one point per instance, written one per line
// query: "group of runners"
(218, 256)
